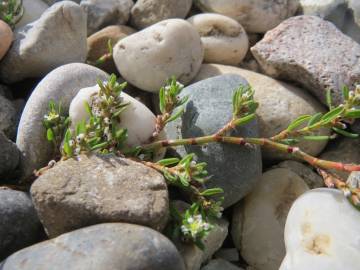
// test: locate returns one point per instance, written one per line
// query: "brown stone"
(6, 37)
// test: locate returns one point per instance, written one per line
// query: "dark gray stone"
(234, 168)
(9, 155)
(7, 117)
(98, 189)
(112, 246)
(220, 264)
(295, 50)
(19, 224)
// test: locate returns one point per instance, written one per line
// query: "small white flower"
(71, 142)
(80, 137)
(107, 120)
(190, 220)
(180, 85)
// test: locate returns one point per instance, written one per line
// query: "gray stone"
(101, 13)
(19, 224)
(311, 178)
(228, 254)
(9, 155)
(33, 9)
(99, 189)
(356, 126)
(343, 150)
(7, 117)
(57, 38)
(105, 246)
(257, 16)
(354, 180)
(62, 84)
(147, 12)
(220, 264)
(262, 218)
(234, 168)
(281, 55)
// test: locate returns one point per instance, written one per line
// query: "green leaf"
(170, 177)
(183, 100)
(184, 180)
(329, 98)
(345, 92)
(68, 150)
(50, 135)
(81, 127)
(176, 115)
(99, 146)
(87, 108)
(186, 160)
(353, 114)
(168, 161)
(345, 133)
(110, 47)
(316, 138)
(298, 122)
(118, 112)
(290, 141)
(162, 103)
(333, 114)
(314, 119)
(212, 191)
(68, 135)
(245, 120)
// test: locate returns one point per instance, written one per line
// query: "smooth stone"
(148, 12)
(105, 246)
(168, 48)
(99, 189)
(193, 256)
(228, 254)
(8, 117)
(262, 217)
(62, 84)
(6, 38)
(139, 121)
(234, 168)
(220, 264)
(101, 13)
(34, 52)
(19, 224)
(356, 127)
(98, 44)
(33, 9)
(345, 150)
(307, 173)
(322, 232)
(224, 39)
(274, 114)
(354, 180)
(257, 16)
(9, 156)
(281, 55)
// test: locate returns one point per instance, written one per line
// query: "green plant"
(11, 11)
(101, 134)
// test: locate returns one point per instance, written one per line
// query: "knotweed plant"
(102, 134)
(11, 11)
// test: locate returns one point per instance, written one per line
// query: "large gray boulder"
(234, 168)
(295, 51)
(112, 246)
(62, 84)
(9, 156)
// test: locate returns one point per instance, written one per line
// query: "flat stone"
(8, 117)
(257, 16)
(234, 168)
(105, 246)
(147, 12)
(39, 48)
(280, 104)
(9, 156)
(262, 218)
(101, 13)
(220, 264)
(281, 55)
(19, 224)
(62, 84)
(224, 39)
(98, 189)
(6, 37)
(98, 44)
(147, 59)
(322, 232)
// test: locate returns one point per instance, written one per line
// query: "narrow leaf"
(175, 115)
(345, 92)
(298, 122)
(50, 134)
(162, 100)
(99, 146)
(245, 120)
(315, 119)
(353, 114)
(212, 191)
(329, 99)
(346, 133)
(168, 161)
(316, 138)
(333, 114)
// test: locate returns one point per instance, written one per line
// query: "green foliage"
(244, 105)
(11, 11)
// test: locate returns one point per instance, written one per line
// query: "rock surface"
(8, 117)
(257, 16)
(224, 39)
(147, 12)
(295, 51)
(62, 84)
(6, 37)
(258, 225)
(9, 155)
(322, 232)
(33, 9)
(19, 224)
(168, 48)
(99, 189)
(274, 113)
(101, 13)
(220, 264)
(105, 246)
(34, 52)
(98, 44)
(234, 168)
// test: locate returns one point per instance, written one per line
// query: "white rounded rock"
(322, 232)
(137, 118)
(225, 40)
(257, 16)
(148, 58)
